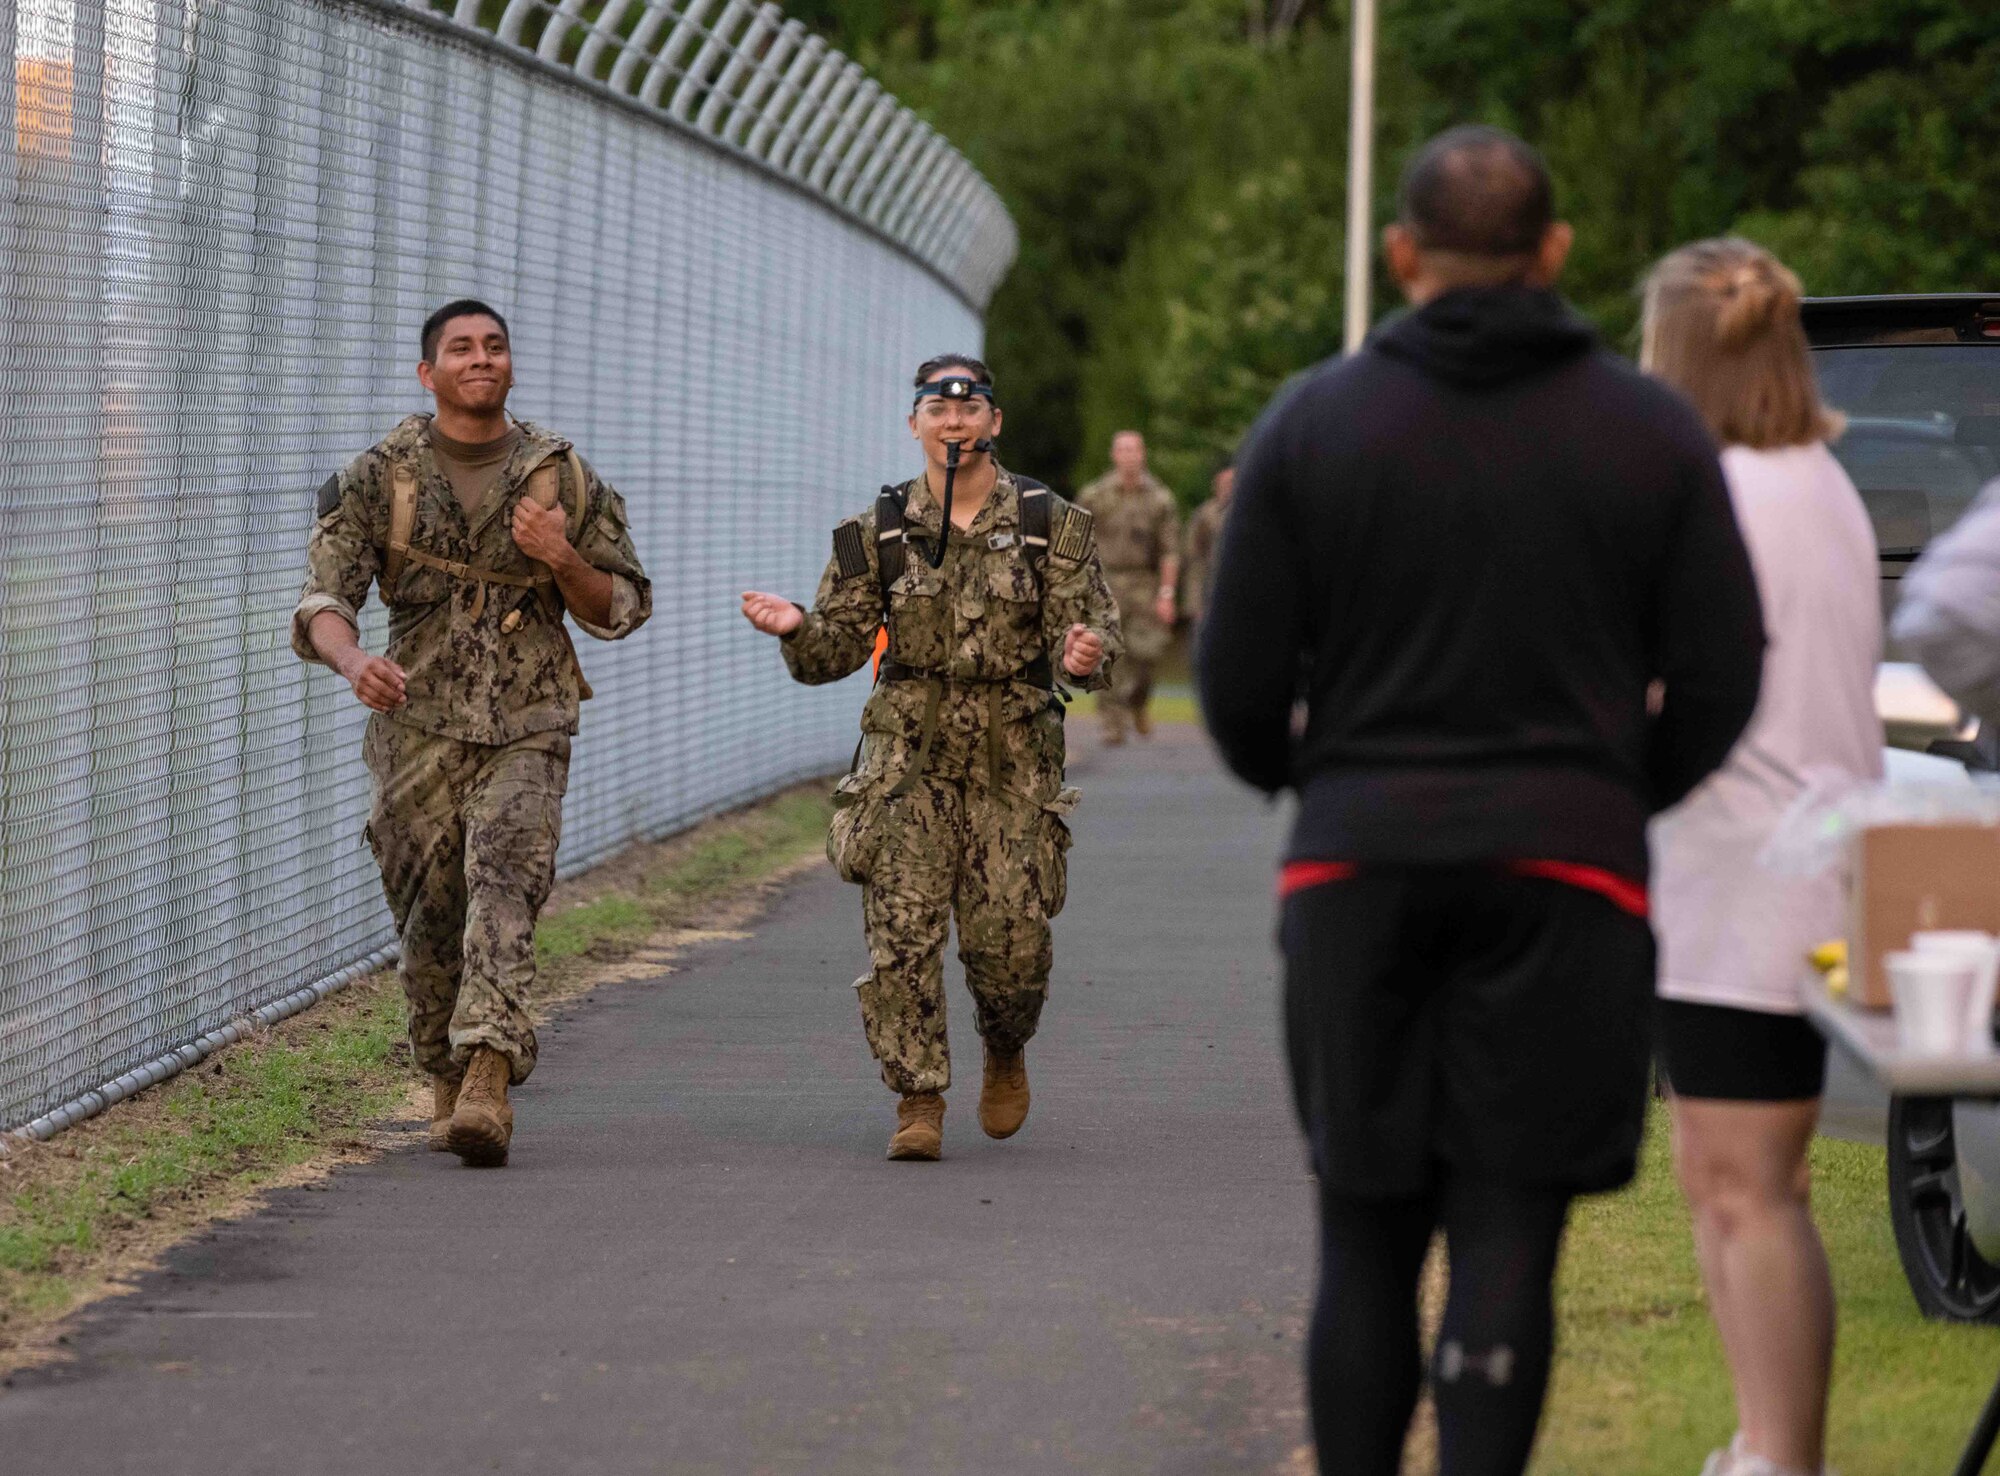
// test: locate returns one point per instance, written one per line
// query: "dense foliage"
(1177, 169)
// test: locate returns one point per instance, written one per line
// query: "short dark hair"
(930, 368)
(464, 307)
(1476, 190)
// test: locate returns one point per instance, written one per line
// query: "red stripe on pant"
(1621, 892)
(1296, 876)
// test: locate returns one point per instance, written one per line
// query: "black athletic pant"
(1491, 1364)
(1469, 1048)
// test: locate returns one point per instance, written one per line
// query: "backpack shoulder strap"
(402, 521)
(580, 479)
(545, 489)
(892, 549)
(1037, 507)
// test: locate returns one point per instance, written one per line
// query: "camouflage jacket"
(974, 619)
(468, 678)
(1204, 533)
(1140, 529)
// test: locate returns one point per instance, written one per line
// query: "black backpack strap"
(1037, 504)
(892, 549)
(1037, 510)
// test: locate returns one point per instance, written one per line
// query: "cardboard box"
(1908, 878)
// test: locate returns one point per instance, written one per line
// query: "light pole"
(1360, 171)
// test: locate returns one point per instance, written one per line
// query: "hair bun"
(1753, 295)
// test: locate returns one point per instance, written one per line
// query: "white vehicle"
(1919, 380)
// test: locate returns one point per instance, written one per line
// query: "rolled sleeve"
(631, 604)
(342, 558)
(606, 544)
(311, 606)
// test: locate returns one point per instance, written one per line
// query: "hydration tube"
(952, 451)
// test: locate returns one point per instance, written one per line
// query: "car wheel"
(1949, 1278)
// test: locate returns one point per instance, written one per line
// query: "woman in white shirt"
(1745, 1071)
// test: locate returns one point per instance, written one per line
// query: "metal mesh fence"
(721, 249)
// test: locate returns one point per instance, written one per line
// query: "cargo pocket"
(854, 835)
(1053, 860)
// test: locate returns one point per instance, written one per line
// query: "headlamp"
(956, 387)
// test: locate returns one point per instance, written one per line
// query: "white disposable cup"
(1983, 951)
(1931, 991)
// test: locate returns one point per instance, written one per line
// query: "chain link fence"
(722, 250)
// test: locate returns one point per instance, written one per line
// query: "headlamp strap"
(954, 387)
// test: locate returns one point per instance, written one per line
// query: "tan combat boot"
(482, 1124)
(1003, 1095)
(1114, 730)
(919, 1127)
(444, 1101)
(1142, 720)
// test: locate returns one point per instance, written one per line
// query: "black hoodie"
(1471, 548)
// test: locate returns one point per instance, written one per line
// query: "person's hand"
(1083, 651)
(541, 532)
(771, 614)
(1163, 607)
(376, 680)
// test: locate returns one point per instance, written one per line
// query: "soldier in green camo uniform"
(472, 527)
(1139, 531)
(1204, 538)
(956, 800)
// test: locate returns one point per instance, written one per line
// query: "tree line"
(1177, 168)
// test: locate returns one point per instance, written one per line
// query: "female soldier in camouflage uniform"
(957, 799)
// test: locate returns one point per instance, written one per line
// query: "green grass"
(1640, 1386)
(751, 844)
(575, 932)
(156, 1168)
(1166, 707)
(246, 1114)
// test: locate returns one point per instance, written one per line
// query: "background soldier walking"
(957, 800)
(479, 532)
(1138, 533)
(1204, 536)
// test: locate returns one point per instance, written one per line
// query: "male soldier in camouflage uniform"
(1138, 534)
(476, 700)
(1204, 534)
(957, 798)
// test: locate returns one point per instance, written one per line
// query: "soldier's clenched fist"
(376, 680)
(1083, 649)
(540, 532)
(770, 614)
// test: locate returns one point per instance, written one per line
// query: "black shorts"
(1500, 1024)
(1719, 1053)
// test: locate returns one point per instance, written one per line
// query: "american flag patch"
(1072, 540)
(850, 550)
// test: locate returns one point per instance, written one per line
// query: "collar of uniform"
(412, 440)
(922, 513)
(537, 446)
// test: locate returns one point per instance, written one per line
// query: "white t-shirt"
(1733, 932)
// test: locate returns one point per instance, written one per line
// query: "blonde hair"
(1721, 325)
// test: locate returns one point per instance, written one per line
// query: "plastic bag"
(1814, 835)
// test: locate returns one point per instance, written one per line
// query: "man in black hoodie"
(1500, 568)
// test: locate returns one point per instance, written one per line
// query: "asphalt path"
(699, 1260)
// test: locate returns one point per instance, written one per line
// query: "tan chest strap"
(544, 489)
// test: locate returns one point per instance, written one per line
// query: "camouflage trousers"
(1146, 643)
(465, 835)
(996, 859)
